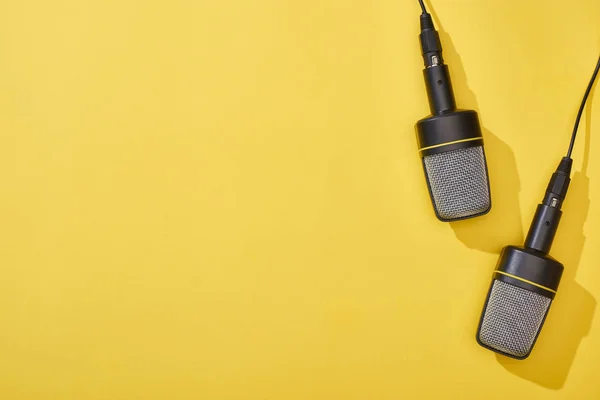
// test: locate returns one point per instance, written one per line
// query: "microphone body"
(526, 279)
(450, 141)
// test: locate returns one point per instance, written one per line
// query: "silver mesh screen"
(458, 182)
(512, 319)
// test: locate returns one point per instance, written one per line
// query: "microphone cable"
(545, 223)
(585, 97)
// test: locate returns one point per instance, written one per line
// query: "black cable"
(585, 96)
(423, 7)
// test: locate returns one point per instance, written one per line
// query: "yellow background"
(223, 199)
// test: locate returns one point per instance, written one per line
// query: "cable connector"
(559, 184)
(431, 47)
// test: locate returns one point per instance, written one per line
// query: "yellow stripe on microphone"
(449, 143)
(525, 280)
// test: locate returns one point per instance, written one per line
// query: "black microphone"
(526, 278)
(450, 140)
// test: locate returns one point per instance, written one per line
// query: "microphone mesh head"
(512, 319)
(458, 181)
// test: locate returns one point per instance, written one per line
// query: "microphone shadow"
(503, 224)
(491, 232)
(572, 311)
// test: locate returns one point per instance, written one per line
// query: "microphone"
(450, 140)
(526, 278)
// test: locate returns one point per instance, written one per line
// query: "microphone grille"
(512, 319)
(458, 181)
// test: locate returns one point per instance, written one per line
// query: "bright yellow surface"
(223, 199)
